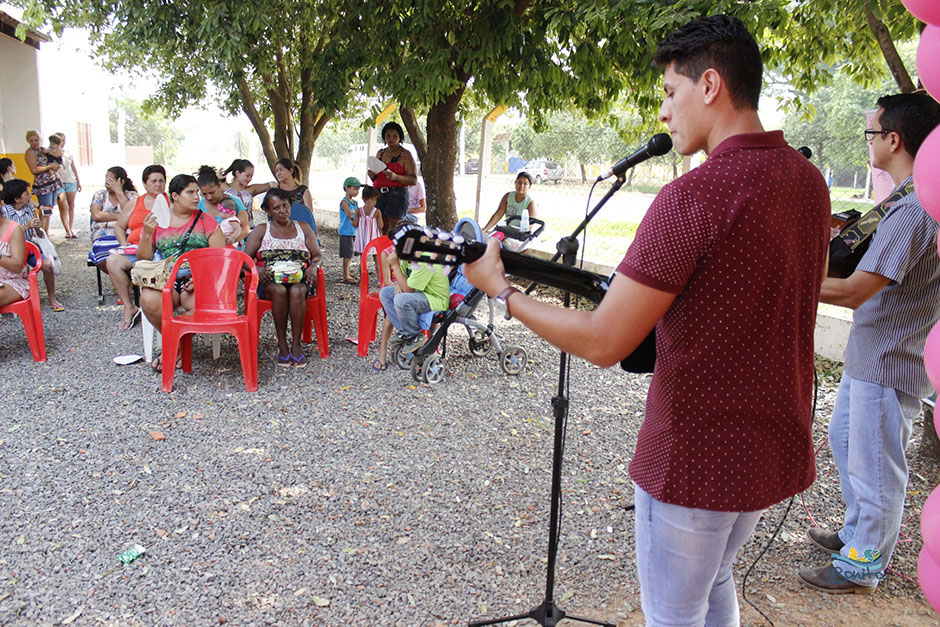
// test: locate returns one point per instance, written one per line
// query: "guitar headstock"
(434, 246)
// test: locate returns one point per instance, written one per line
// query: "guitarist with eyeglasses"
(727, 265)
(895, 294)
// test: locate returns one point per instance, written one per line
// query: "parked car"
(543, 170)
(472, 166)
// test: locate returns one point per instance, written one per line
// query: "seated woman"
(106, 206)
(18, 207)
(285, 240)
(211, 203)
(512, 204)
(189, 229)
(14, 285)
(127, 231)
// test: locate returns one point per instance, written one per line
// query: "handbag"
(154, 274)
(848, 247)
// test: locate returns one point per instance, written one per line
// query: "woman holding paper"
(186, 228)
(392, 170)
(127, 231)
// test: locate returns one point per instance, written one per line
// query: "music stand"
(548, 613)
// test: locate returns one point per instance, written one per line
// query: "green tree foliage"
(287, 65)
(143, 127)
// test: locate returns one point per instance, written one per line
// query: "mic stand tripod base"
(547, 614)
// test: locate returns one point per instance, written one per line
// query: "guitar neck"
(426, 246)
(574, 280)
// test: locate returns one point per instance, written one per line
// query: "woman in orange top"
(127, 231)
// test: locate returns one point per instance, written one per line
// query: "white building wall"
(19, 94)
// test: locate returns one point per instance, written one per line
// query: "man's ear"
(897, 145)
(711, 85)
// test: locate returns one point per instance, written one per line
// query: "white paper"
(126, 360)
(161, 211)
(376, 165)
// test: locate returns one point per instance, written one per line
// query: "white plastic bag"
(48, 253)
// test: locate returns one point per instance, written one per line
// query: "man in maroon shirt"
(727, 265)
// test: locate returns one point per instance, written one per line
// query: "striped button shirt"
(886, 344)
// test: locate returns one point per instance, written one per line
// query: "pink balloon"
(925, 10)
(928, 574)
(932, 356)
(930, 524)
(928, 60)
(927, 174)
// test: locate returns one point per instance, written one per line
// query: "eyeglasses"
(871, 134)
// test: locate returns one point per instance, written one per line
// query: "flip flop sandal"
(59, 307)
(299, 362)
(378, 366)
(283, 360)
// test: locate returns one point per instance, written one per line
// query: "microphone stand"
(548, 613)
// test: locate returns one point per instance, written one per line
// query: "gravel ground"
(334, 495)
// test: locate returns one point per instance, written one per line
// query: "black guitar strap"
(847, 248)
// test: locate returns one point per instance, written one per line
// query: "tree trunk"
(892, 58)
(438, 164)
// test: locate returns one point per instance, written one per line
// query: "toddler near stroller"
(425, 363)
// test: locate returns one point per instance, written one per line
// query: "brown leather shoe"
(827, 579)
(828, 541)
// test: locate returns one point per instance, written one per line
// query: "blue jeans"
(870, 427)
(404, 308)
(684, 557)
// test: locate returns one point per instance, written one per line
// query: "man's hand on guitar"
(487, 273)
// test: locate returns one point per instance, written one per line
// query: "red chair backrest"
(375, 247)
(216, 273)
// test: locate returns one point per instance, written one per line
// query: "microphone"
(660, 144)
(805, 151)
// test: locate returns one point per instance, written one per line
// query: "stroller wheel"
(403, 361)
(480, 342)
(513, 359)
(433, 369)
(417, 369)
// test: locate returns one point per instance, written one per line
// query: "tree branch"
(414, 131)
(892, 58)
(248, 106)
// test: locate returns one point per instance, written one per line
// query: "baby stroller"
(427, 366)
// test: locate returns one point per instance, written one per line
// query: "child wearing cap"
(347, 230)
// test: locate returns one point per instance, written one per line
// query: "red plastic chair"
(315, 317)
(29, 311)
(369, 303)
(216, 273)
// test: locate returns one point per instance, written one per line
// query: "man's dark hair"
(912, 116)
(5, 165)
(275, 192)
(524, 175)
(723, 43)
(13, 189)
(369, 192)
